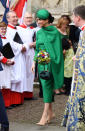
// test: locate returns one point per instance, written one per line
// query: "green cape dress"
(48, 38)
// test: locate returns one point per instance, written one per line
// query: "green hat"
(42, 14)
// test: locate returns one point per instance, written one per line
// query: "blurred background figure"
(5, 83)
(18, 78)
(27, 34)
(68, 53)
(74, 32)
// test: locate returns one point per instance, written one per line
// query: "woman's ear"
(78, 18)
(47, 21)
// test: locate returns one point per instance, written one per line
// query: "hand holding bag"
(45, 74)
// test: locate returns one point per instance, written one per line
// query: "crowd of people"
(64, 73)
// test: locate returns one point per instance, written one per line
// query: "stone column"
(73, 5)
(29, 6)
(68, 6)
(65, 6)
(1, 9)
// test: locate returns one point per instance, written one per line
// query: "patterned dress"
(68, 63)
(74, 117)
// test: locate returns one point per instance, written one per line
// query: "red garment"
(3, 37)
(31, 27)
(17, 98)
(11, 26)
(28, 94)
(23, 26)
(6, 96)
(4, 60)
(83, 28)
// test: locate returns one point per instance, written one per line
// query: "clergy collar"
(3, 37)
(23, 26)
(83, 27)
(11, 26)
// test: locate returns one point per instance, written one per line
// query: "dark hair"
(66, 17)
(80, 11)
(50, 18)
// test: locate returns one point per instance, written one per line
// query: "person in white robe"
(26, 33)
(18, 73)
(5, 74)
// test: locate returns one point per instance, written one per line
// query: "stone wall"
(56, 7)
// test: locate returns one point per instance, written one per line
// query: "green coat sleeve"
(58, 49)
(37, 48)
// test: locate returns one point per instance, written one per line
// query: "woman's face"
(42, 23)
(64, 26)
(3, 30)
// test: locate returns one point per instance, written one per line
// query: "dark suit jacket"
(74, 36)
(0, 50)
(74, 33)
(34, 24)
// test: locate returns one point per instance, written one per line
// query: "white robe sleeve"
(16, 47)
(22, 33)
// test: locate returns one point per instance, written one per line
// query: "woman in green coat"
(48, 38)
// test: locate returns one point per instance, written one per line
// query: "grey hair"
(8, 13)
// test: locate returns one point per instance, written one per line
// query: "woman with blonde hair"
(63, 28)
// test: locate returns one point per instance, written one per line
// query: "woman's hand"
(23, 49)
(32, 45)
(73, 58)
(64, 52)
(33, 67)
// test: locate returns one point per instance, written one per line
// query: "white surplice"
(5, 74)
(18, 72)
(27, 37)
